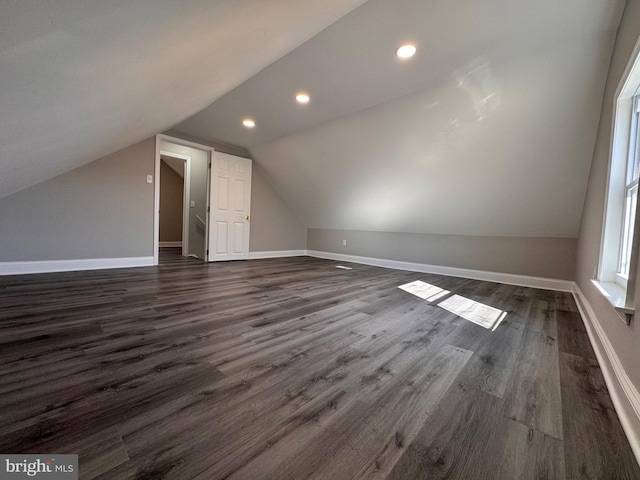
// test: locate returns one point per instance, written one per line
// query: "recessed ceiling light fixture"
(406, 50)
(249, 122)
(303, 98)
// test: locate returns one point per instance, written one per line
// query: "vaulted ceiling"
(80, 79)
(488, 130)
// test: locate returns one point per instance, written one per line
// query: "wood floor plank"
(375, 431)
(100, 453)
(292, 368)
(494, 357)
(533, 393)
(466, 438)
(595, 445)
(572, 336)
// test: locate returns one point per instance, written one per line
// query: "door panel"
(230, 207)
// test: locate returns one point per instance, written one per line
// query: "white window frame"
(630, 197)
(615, 275)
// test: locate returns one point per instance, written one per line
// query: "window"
(631, 195)
(616, 272)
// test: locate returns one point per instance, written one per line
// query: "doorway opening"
(174, 202)
(182, 199)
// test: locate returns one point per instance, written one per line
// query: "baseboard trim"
(277, 254)
(625, 396)
(508, 278)
(170, 244)
(49, 266)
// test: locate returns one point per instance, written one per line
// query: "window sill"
(616, 296)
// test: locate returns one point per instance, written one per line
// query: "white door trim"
(156, 202)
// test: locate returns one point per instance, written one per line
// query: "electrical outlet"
(344, 243)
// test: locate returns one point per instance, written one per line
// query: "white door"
(230, 204)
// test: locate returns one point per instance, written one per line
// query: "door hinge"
(209, 209)
(207, 251)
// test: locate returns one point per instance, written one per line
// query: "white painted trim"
(185, 143)
(277, 254)
(171, 244)
(156, 202)
(508, 278)
(49, 266)
(625, 396)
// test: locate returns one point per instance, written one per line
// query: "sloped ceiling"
(80, 79)
(488, 130)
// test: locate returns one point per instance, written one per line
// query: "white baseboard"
(48, 266)
(508, 278)
(277, 254)
(625, 396)
(170, 244)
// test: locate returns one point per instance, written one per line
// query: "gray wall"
(533, 256)
(625, 339)
(171, 208)
(100, 210)
(274, 226)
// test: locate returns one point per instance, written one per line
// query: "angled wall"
(274, 225)
(100, 210)
(619, 341)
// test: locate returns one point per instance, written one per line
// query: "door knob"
(246, 217)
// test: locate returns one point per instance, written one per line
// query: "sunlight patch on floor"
(424, 290)
(476, 312)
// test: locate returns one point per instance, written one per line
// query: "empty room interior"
(345, 239)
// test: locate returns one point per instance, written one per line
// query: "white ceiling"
(489, 130)
(80, 79)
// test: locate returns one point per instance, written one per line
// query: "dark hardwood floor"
(294, 369)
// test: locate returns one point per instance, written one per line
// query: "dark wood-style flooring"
(295, 369)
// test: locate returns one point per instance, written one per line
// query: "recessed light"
(406, 50)
(302, 98)
(249, 123)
